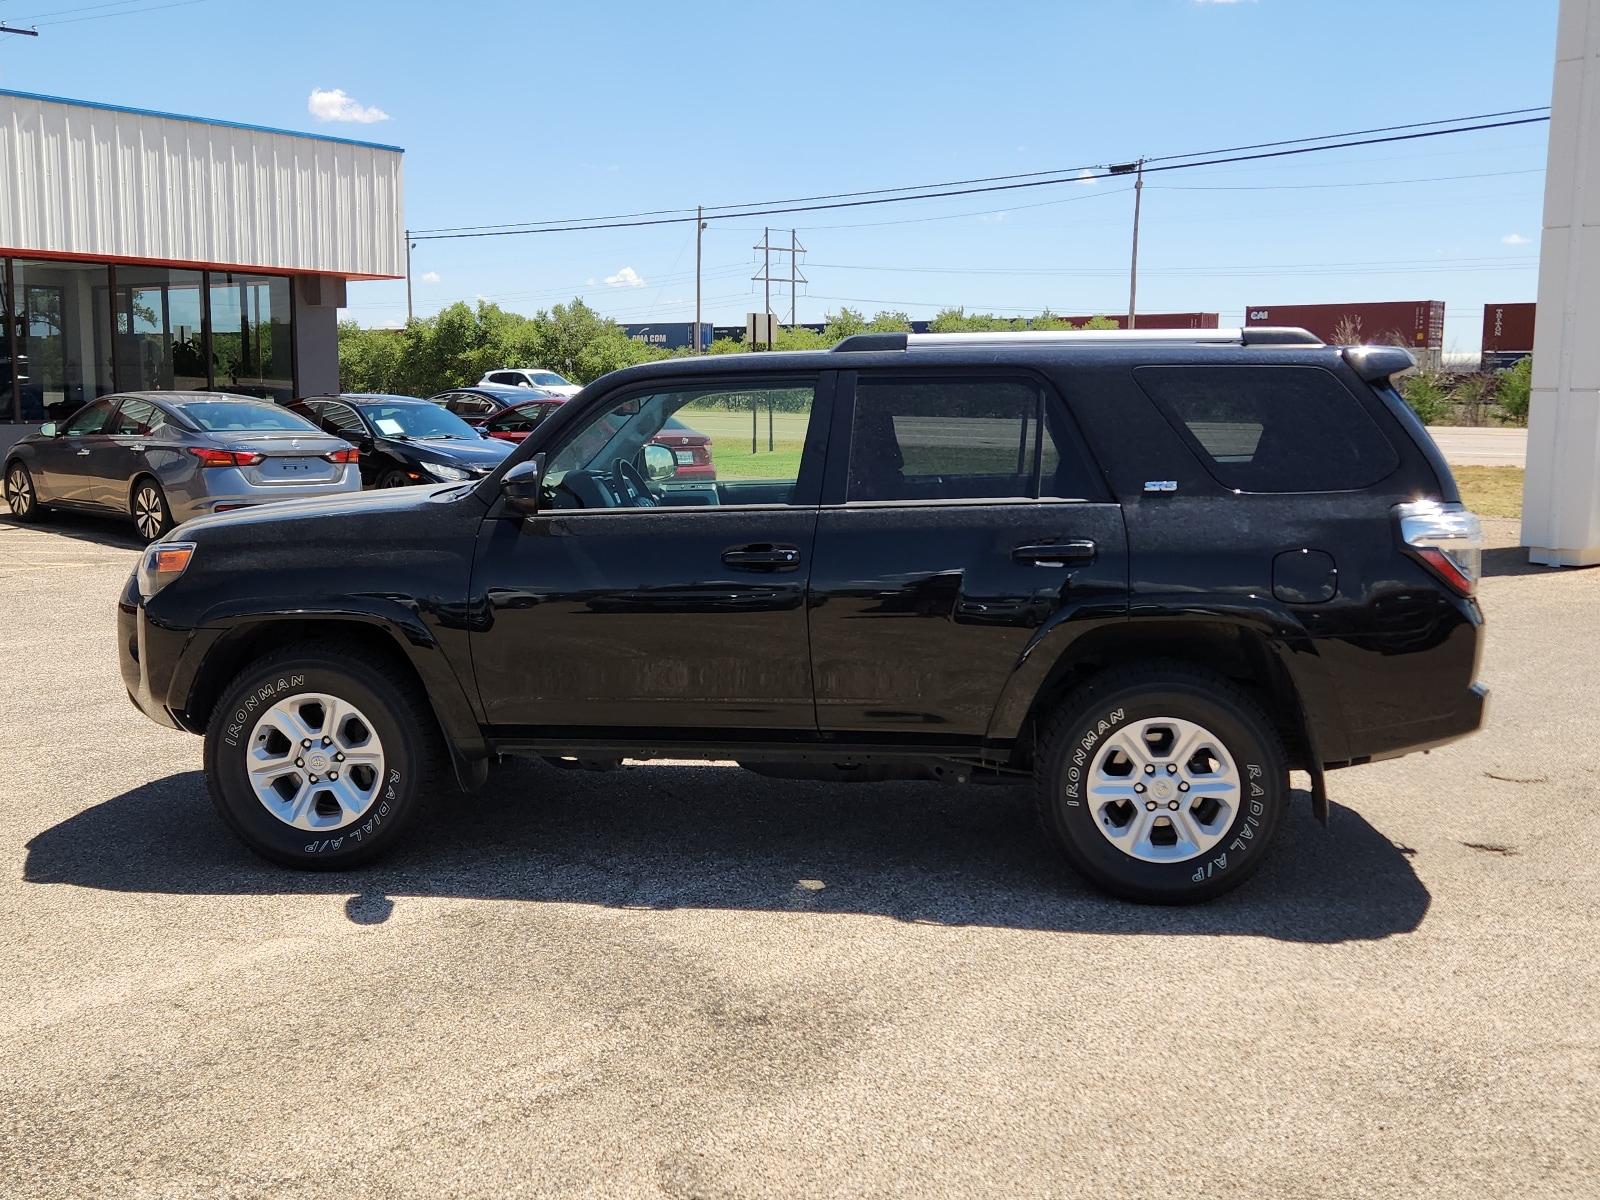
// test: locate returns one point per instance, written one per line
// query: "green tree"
(1426, 395)
(1516, 389)
(1100, 321)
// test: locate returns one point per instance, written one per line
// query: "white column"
(1561, 494)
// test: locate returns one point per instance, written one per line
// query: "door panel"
(659, 604)
(641, 618)
(919, 614)
(69, 468)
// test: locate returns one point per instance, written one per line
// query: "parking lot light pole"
(409, 244)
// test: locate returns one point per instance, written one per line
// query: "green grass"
(730, 442)
(1490, 491)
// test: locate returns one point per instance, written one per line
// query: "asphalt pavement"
(689, 981)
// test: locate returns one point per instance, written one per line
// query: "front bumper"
(152, 658)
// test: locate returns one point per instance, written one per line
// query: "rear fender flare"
(1290, 656)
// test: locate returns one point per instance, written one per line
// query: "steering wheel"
(630, 487)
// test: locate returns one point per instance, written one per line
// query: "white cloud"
(588, 283)
(999, 216)
(336, 106)
(1515, 239)
(431, 277)
(627, 277)
(1087, 177)
(1220, 1)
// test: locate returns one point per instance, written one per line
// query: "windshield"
(245, 416)
(422, 422)
(548, 379)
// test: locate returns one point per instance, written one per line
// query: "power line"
(882, 196)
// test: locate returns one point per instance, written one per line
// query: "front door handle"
(763, 556)
(83, 454)
(1055, 554)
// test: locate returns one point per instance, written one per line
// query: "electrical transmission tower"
(793, 278)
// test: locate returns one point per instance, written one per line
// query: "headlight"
(443, 473)
(162, 563)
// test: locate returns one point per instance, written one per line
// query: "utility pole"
(1133, 273)
(409, 244)
(699, 233)
(19, 32)
(766, 274)
(794, 246)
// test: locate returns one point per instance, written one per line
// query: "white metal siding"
(103, 183)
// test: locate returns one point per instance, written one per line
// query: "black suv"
(1152, 573)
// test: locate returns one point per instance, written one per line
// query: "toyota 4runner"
(1151, 573)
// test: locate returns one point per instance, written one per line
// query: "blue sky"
(526, 111)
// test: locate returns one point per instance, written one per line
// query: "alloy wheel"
(149, 511)
(1164, 790)
(19, 491)
(315, 762)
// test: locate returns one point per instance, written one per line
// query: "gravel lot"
(689, 981)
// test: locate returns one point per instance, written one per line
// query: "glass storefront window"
(251, 342)
(83, 330)
(61, 316)
(160, 330)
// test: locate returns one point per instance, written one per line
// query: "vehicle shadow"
(109, 531)
(667, 837)
(1513, 560)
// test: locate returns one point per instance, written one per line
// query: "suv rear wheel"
(1161, 783)
(319, 758)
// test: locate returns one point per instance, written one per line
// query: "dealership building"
(146, 251)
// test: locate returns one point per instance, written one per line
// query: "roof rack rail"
(1259, 335)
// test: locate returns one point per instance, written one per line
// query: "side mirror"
(366, 445)
(521, 486)
(659, 463)
(49, 429)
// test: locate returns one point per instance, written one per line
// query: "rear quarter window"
(1271, 428)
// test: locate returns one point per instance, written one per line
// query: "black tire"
(386, 699)
(1079, 741)
(21, 494)
(148, 507)
(394, 477)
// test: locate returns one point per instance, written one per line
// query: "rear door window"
(961, 438)
(137, 418)
(1272, 428)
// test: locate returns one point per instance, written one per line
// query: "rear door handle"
(763, 556)
(1055, 554)
(83, 453)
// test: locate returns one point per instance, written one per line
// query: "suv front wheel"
(1161, 783)
(319, 758)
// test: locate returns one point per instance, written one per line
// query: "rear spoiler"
(1378, 364)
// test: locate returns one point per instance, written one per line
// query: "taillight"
(348, 455)
(1445, 538)
(226, 458)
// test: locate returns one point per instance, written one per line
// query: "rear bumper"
(219, 489)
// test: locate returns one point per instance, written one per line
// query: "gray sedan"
(164, 457)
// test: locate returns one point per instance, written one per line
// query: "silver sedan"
(164, 457)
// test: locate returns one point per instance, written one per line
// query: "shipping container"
(1418, 325)
(1189, 320)
(669, 335)
(1507, 335)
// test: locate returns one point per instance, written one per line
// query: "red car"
(690, 447)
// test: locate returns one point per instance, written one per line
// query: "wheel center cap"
(318, 761)
(1161, 789)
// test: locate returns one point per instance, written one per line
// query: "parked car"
(164, 457)
(1148, 573)
(533, 377)
(517, 422)
(404, 439)
(690, 448)
(476, 405)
